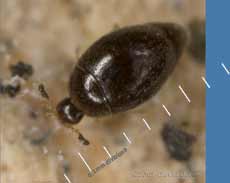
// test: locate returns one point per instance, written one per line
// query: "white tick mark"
(205, 82)
(225, 68)
(107, 151)
(146, 124)
(67, 178)
(186, 96)
(166, 110)
(84, 162)
(127, 138)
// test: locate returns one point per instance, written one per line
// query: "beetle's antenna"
(31, 88)
(65, 112)
(81, 138)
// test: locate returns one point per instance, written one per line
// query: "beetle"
(122, 70)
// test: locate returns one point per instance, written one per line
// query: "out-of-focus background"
(50, 36)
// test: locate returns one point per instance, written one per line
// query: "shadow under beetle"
(122, 70)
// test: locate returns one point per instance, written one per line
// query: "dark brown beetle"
(122, 70)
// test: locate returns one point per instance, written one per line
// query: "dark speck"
(42, 91)
(10, 90)
(178, 143)
(83, 140)
(22, 70)
(33, 114)
(1, 88)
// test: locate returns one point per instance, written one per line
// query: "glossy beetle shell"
(125, 68)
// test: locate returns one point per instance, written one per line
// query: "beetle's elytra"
(125, 68)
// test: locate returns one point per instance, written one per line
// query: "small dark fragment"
(197, 43)
(33, 114)
(178, 143)
(83, 140)
(42, 91)
(68, 113)
(22, 70)
(1, 88)
(10, 90)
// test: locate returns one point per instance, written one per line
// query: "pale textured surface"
(50, 35)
